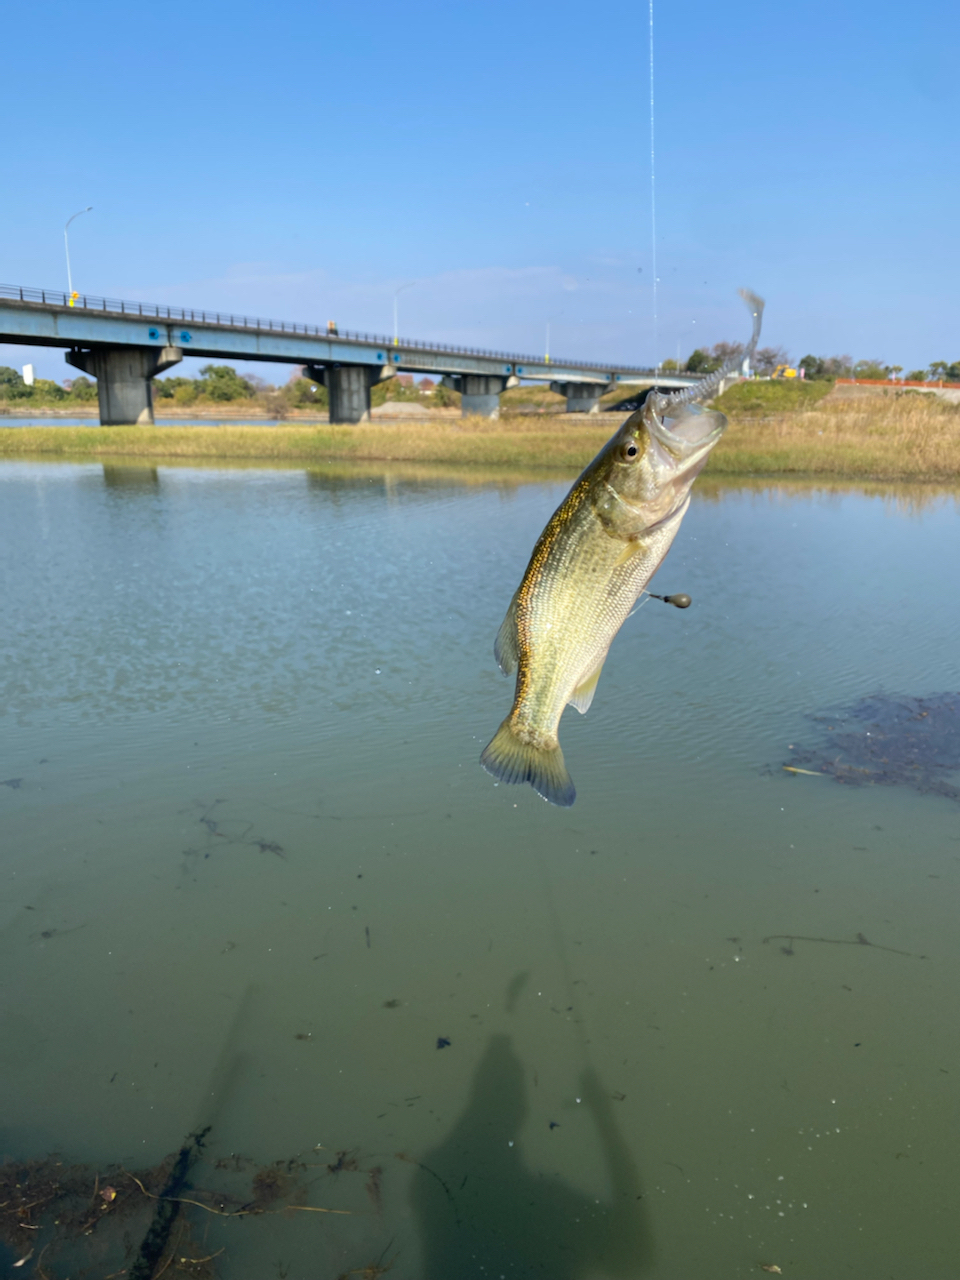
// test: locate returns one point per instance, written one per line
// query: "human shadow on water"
(483, 1213)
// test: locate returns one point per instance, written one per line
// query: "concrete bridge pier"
(582, 397)
(348, 388)
(479, 393)
(123, 379)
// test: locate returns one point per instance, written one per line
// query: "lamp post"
(396, 337)
(66, 245)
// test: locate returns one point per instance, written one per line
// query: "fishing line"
(679, 601)
(653, 207)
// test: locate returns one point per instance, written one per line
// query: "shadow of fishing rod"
(220, 1086)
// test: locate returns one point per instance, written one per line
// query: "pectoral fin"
(505, 645)
(628, 552)
(582, 695)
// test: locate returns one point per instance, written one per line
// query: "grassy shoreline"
(882, 438)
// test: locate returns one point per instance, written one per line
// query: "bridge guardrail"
(157, 311)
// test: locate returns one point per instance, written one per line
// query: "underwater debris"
(222, 831)
(889, 740)
(375, 1188)
(858, 941)
(78, 1219)
(168, 1208)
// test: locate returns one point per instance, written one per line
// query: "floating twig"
(234, 1213)
(858, 941)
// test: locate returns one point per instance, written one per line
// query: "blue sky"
(303, 161)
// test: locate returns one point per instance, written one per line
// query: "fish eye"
(630, 450)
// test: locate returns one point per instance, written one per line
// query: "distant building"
(426, 385)
(405, 379)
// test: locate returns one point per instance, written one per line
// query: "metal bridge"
(125, 344)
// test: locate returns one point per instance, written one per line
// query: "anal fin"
(582, 695)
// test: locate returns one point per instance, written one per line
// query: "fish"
(596, 555)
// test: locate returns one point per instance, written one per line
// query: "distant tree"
(186, 392)
(917, 375)
(819, 368)
(305, 394)
(940, 371)
(721, 352)
(83, 388)
(166, 388)
(45, 389)
(708, 360)
(896, 370)
(221, 382)
(871, 370)
(767, 359)
(837, 367)
(699, 362)
(669, 366)
(446, 397)
(12, 385)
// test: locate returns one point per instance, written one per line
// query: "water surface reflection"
(242, 712)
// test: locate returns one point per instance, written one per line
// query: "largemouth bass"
(599, 550)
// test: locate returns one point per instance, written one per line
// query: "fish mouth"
(690, 433)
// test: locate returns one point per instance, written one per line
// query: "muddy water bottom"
(253, 878)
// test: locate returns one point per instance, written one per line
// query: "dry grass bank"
(523, 442)
(902, 437)
(911, 437)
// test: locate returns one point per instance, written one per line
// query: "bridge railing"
(158, 311)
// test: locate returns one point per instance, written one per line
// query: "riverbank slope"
(884, 437)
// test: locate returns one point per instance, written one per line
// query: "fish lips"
(685, 440)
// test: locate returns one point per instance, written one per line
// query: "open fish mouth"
(684, 439)
(687, 431)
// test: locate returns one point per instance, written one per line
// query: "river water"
(252, 877)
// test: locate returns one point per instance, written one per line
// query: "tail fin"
(511, 760)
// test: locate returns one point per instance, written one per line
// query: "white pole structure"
(547, 354)
(396, 335)
(66, 244)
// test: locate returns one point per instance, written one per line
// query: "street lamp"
(66, 245)
(396, 338)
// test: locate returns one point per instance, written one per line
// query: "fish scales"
(597, 553)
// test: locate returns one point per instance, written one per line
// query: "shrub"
(221, 382)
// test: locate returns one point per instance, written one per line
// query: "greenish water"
(252, 875)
